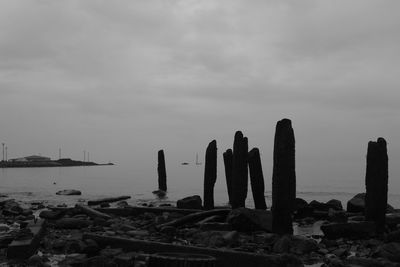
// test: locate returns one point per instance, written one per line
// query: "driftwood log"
(194, 217)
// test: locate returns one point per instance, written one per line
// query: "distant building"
(33, 158)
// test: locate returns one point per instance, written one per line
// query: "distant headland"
(40, 161)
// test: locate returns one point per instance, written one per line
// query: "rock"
(302, 209)
(69, 192)
(4, 227)
(340, 252)
(168, 230)
(192, 202)
(301, 245)
(231, 238)
(122, 204)
(75, 246)
(393, 236)
(282, 245)
(357, 204)
(392, 220)
(350, 230)
(51, 215)
(35, 260)
(390, 251)
(104, 205)
(337, 216)
(335, 204)
(91, 247)
(72, 223)
(316, 205)
(247, 220)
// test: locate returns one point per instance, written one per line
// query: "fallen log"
(195, 217)
(226, 258)
(91, 212)
(107, 200)
(132, 211)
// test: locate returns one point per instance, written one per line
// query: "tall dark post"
(376, 181)
(257, 179)
(239, 171)
(162, 173)
(210, 174)
(283, 178)
(228, 157)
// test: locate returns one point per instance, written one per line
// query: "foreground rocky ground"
(121, 235)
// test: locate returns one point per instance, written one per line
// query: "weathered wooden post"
(256, 179)
(210, 174)
(239, 171)
(162, 173)
(376, 182)
(283, 178)
(228, 157)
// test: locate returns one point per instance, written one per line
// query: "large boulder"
(302, 209)
(69, 192)
(248, 220)
(348, 230)
(357, 204)
(192, 202)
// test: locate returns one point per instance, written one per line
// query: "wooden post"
(162, 173)
(376, 182)
(239, 171)
(283, 178)
(257, 179)
(228, 157)
(210, 175)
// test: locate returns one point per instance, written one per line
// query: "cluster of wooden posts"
(240, 162)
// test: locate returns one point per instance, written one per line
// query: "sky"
(122, 79)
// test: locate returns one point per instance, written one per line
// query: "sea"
(41, 184)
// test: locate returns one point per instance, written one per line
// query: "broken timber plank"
(23, 249)
(107, 200)
(92, 213)
(195, 217)
(226, 258)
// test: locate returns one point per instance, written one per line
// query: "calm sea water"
(41, 184)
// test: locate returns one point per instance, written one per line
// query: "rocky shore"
(109, 232)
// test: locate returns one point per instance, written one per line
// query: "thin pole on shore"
(3, 150)
(162, 173)
(239, 171)
(210, 175)
(6, 154)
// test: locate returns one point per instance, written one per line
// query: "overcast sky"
(122, 79)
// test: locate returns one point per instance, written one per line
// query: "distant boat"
(197, 159)
(184, 163)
